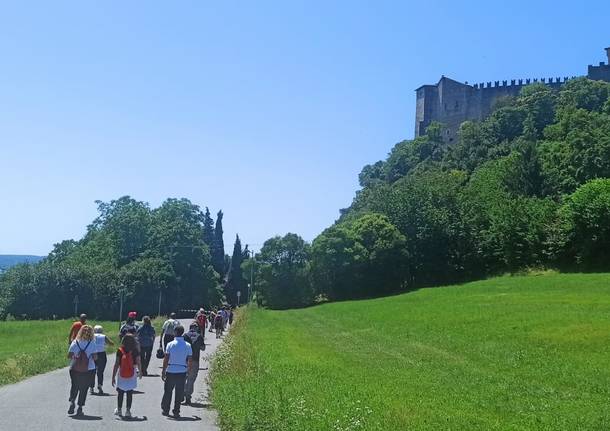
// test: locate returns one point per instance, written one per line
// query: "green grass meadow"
(510, 353)
(32, 347)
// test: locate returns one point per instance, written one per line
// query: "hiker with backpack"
(225, 318)
(128, 366)
(130, 326)
(211, 319)
(82, 367)
(168, 330)
(194, 337)
(218, 324)
(201, 320)
(146, 339)
(101, 341)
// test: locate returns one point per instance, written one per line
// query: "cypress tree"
(208, 229)
(235, 280)
(218, 247)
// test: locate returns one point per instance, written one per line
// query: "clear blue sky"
(267, 110)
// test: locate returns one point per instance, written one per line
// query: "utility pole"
(121, 295)
(251, 276)
(159, 312)
(161, 287)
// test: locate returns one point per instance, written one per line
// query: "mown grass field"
(32, 347)
(511, 353)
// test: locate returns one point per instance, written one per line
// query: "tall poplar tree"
(218, 247)
(208, 229)
(235, 281)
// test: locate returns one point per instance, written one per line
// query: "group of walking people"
(219, 319)
(179, 348)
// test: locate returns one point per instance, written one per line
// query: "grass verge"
(515, 353)
(34, 347)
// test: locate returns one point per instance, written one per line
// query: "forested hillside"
(8, 260)
(129, 250)
(529, 186)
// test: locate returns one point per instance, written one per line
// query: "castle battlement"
(521, 82)
(451, 102)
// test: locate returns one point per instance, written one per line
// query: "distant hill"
(8, 260)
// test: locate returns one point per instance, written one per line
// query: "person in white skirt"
(126, 380)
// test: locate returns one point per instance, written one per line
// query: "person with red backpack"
(82, 355)
(202, 321)
(128, 366)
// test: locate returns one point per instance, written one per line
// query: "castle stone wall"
(600, 72)
(451, 103)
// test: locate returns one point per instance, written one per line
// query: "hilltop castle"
(450, 102)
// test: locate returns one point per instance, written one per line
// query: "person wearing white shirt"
(176, 364)
(82, 367)
(101, 340)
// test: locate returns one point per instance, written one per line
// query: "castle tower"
(601, 72)
(451, 103)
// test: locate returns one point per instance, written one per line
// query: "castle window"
(457, 105)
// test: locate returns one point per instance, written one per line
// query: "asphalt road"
(41, 402)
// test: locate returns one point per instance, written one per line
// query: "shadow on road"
(86, 418)
(185, 418)
(133, 419)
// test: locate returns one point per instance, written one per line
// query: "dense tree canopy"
(364, 257)
(281, 272)
(129, 250)
(528, 186)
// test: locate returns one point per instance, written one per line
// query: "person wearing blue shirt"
(176, 364)
(146, 339)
